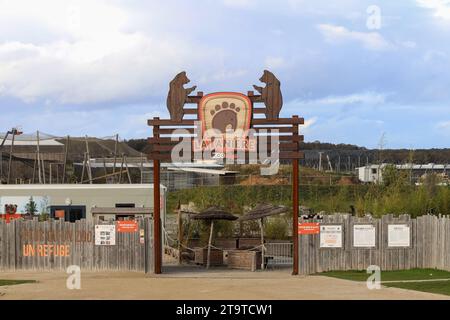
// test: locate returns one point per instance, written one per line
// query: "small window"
(125, 205)
(374, 171)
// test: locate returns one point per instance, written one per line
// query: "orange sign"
(60, 214)
(127, 226)
(309, 228)
(45, 250)
(10, 217)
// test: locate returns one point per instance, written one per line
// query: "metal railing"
(279, 254)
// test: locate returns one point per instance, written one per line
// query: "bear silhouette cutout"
(271, 94)
(178, 96)
(224, 117)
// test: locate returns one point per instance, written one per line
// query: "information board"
(364, 236)
(399, 235)
(331, 236)
(105, 235)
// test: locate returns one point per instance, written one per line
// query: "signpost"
(237, 134)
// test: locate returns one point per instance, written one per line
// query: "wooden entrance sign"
(225, 114)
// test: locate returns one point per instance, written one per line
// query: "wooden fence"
(429, 245)
(55, 245)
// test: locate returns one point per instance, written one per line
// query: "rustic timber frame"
(164, 140)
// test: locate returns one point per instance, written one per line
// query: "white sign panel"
(330, 236)
(105, 235)
(399, 235)
(364, 236)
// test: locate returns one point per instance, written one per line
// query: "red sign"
(60, 214)
(309, 228)
(9, 217)
(127, 226)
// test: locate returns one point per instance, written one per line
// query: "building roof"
(75, 186)
(410, 166)
(109, 163)
(129, 211)
(203, 170)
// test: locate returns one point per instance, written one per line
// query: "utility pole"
(38, 158)
(66, 151)
(115, 156)
(10, 155)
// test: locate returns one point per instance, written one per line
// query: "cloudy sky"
(354, 71)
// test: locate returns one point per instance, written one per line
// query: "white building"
(84, 201)
(374, 173)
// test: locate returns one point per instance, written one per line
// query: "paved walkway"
(193, 283)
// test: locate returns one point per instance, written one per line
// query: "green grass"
(414, 275)
(14, 282)
(400, 275)
(439, 287)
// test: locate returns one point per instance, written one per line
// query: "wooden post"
(208, 258)
(180, 233)
(157, 210)
(127, 170)
(88, 161)
(38, 158)
(263, 247)
(34, 169)
(295, 205)
(82, 170)
(115, 155)
(121, 168)
(66, 151)
(105, 170)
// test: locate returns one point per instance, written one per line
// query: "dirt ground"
(194, 283)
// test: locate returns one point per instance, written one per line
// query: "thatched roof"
(214, 213)
(263, 210)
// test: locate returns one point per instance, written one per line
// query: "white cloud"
(309, 123)
(240, 3)
(444, 125)
(369, 40)
(92, 57)
(274, 62)
(441, 8)
(367, 98)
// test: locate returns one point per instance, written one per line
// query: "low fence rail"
(279, 254)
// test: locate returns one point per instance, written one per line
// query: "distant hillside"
(348, 156)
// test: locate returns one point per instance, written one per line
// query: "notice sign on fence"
(364, 236)
(399, 235)
(127, 226)
(331, 236)
(309, 228)
(105, 235)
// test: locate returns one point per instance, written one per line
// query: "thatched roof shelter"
(263, 210)
(214, 213)
(211, 214)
